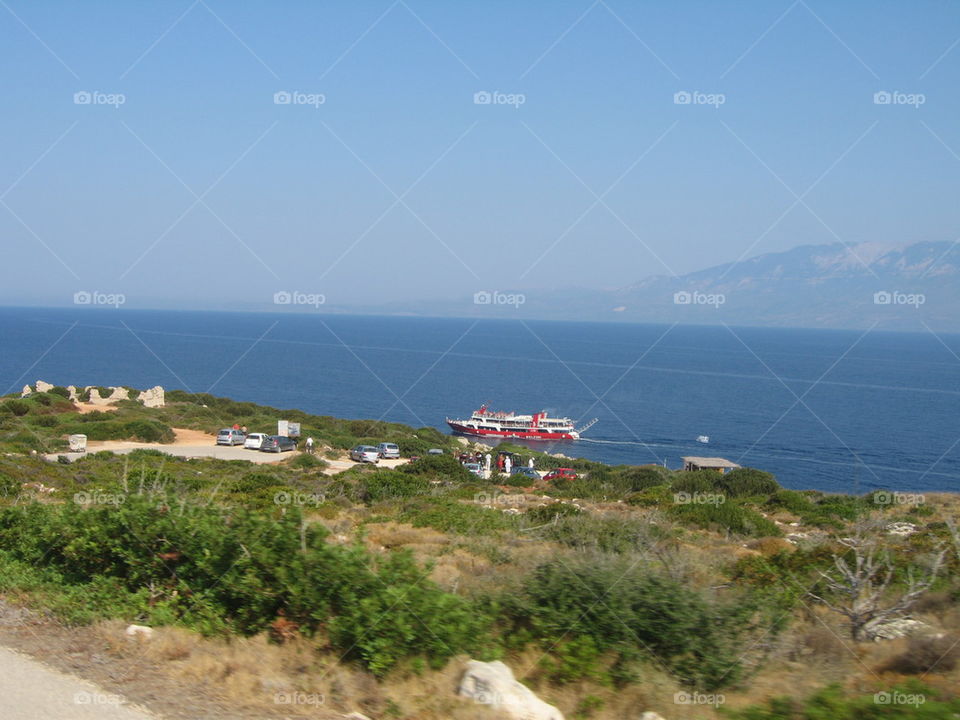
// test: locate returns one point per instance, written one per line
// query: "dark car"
(524, 470)
(278, 444)
(561, 474)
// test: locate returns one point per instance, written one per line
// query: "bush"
(386, 484)
(305, 461)
(748, 481)
(832, 703)
(216, 570)
(726, 516)
(630, 613)
(60, 390)
(926, 654)
(445, 467)
(17, 408)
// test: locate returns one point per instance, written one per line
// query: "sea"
(831, 410)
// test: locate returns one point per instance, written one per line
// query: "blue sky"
(199, 190)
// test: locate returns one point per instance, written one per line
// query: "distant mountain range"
(818, 286)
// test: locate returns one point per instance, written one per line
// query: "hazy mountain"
(835, 286)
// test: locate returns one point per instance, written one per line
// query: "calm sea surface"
(831, 410)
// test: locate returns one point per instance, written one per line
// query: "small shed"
(717, 464)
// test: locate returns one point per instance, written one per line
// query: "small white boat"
(703, 439)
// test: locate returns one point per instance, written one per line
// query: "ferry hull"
(524, 434)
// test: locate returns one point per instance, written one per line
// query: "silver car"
(229, 436)
(365, 453)
(388, 451)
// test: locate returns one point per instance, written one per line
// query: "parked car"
(365, 453)
(254, 441)
(475, 468)
(435, 451)
(277, 444)
(561, 474)
(524, 470)
(388, 451)
(229, 436)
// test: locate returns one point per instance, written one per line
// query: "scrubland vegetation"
(692, 594)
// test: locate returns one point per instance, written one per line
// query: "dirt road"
(30, 690)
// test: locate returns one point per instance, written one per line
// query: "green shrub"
(726, 516)
(747, 481)
(630, 613)
(832, 703)
(217, 570)
(18, 408)
(60, 390)
(305, 461)
(696, 481)
(442, 467)
(385, 484)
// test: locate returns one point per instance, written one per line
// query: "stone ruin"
(152, 398)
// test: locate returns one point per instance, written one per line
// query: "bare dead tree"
(859, 588)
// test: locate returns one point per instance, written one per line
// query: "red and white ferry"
(538, 426)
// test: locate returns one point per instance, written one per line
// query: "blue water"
(829, 410)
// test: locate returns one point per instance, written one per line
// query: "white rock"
(898, 629)
(651, 716)
(26, 391)
(152, 398)
(73, 393)
(355, 716)
(493, 684)
(139, 632)
(44, 386)
(901, 528)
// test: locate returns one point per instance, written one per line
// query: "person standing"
(487, 462)
(310, 445)
(530, 463)
(506, 464)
